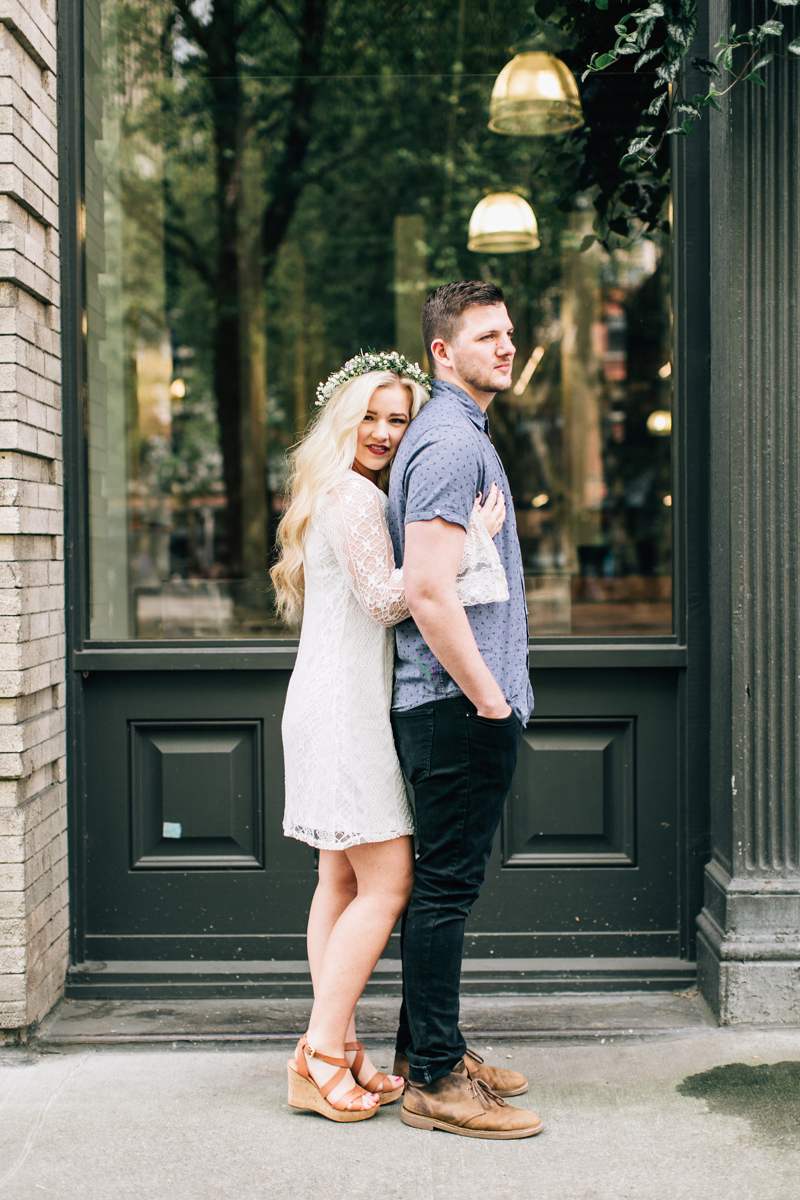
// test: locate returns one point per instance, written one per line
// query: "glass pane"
(585, 436)
(269, 189)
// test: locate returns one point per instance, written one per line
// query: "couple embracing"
(421, 670)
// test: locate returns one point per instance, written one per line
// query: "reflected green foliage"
(282, 183)
(659, 36)
(275, 147)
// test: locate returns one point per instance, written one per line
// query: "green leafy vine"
(660, 35)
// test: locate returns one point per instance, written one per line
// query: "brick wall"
(33, 838)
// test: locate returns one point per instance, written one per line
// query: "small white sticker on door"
(172, 829)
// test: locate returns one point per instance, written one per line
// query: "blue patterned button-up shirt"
(444, 460)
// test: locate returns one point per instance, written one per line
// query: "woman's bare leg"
(383, 873)
(336, 888)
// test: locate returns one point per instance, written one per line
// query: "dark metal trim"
(70, 159)
(692, 499)
(603, 655)
(282, 658)
(239, 645)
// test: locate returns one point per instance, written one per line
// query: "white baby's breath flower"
(372, 360)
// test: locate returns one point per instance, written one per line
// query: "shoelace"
(485, 1095)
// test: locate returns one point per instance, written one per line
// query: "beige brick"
(13, 1016)
(33, 837)
(12, 848)
(12, 904)
(12, 877)
(12, 821)
(12, 960)
(35, 33)
(12, 988)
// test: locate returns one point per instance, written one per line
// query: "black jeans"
(460, 766)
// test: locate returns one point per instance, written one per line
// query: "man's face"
(482, 352)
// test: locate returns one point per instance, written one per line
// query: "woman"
(345, 793)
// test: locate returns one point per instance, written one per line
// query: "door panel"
(196, 794)
(573, 798)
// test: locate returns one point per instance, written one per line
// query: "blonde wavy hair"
(319, 463)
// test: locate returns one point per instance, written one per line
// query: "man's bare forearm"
(433, 553)
(443, 623)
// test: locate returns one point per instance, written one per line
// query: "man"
(462, 694)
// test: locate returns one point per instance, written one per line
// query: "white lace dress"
(344, 785)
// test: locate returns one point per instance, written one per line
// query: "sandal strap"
(358, 1061)
(300, 1058)
(312, 1053)
(343, 1103)
(379, 1082)
(332, 1083)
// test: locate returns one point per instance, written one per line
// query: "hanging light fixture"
(536, 94)
(502, 223)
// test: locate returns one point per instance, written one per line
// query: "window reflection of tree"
(293, 177)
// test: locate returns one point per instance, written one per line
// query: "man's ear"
(440, 352)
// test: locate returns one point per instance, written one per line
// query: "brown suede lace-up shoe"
(458, 1104)
(502, 1082)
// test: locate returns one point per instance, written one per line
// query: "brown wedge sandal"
(380, 1083)
(305, 1093)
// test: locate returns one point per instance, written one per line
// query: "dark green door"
(185, 856)
(263, 199)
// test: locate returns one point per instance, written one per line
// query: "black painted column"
(749, 943)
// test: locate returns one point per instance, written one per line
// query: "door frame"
(687, 648)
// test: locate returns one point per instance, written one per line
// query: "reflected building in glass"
(260, 205)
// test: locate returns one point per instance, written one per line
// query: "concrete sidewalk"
(690, 1111)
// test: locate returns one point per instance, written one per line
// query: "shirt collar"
(479, 418)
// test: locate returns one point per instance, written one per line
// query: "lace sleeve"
(354, 520)
(481, 576)
(352, 517)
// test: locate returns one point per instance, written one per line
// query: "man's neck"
(482, 399)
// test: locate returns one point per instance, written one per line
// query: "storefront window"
(269, 189)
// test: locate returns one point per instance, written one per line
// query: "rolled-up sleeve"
(442, 479)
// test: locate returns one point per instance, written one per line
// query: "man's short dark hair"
(444, 308)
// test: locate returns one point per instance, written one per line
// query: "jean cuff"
(431, 1074)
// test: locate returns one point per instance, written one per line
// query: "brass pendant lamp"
(535, 94)
(502, 223)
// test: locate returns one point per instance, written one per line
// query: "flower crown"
(372, 360)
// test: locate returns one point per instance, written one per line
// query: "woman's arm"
(363, 549)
